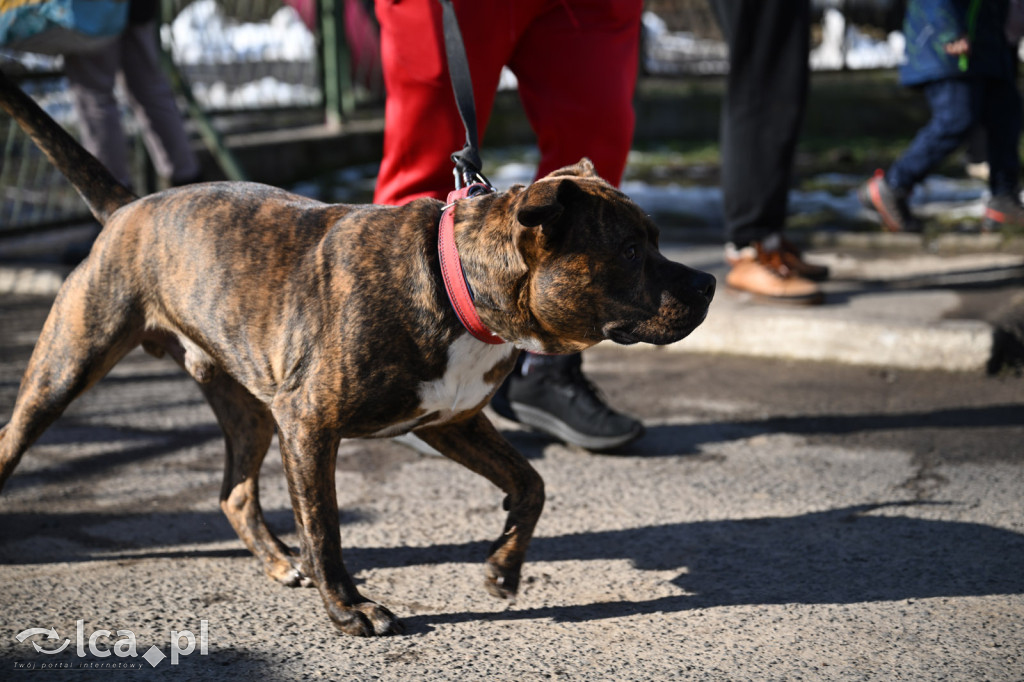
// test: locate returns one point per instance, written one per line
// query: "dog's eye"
(630, 252)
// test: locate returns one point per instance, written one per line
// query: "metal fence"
(33, 194)
(243, 65)
(239, 55)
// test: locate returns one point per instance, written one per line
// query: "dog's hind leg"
(83, 337)
(248, 429)
(476, 445)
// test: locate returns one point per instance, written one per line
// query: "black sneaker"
(1004, 211)
(889, 203)
(555, 398)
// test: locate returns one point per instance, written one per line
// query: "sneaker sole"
(810, 299)
(543, 421)
(414, 442)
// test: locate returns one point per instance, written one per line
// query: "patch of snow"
(201, 34)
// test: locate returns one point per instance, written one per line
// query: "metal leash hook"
(467, 176)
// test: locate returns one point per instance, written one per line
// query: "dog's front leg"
(477, 445)
(309, 455)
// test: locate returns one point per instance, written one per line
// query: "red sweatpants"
(576, 62)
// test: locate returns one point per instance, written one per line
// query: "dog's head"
(590, 270)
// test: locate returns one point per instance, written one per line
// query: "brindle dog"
(325, 322)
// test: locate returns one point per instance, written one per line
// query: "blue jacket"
(930, 24)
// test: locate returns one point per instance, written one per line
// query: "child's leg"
(954, 110)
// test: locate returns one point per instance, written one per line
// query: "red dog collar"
(453, 274)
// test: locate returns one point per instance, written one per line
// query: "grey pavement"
(953, 303)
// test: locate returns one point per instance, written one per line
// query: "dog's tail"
(97, 185)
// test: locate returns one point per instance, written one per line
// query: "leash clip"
(467, 176)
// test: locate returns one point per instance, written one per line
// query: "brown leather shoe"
(766, 274)
(793, 258)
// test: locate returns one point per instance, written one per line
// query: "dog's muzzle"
(681, 310)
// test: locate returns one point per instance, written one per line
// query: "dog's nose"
(704, 283)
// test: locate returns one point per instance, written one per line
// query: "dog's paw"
(366, 619)
(500, 582)
(290, 575)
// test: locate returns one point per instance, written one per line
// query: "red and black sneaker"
(1003, 211)
(889, 203)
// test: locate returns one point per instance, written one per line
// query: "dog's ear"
(540, 205)
(583, 169)
(544, 201)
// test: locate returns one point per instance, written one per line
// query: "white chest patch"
(463, 387)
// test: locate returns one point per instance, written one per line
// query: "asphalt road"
(779, 521)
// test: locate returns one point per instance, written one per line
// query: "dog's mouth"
(621, 336)
(650, 332)
(672, 323)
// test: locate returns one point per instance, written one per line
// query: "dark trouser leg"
(1001, 118)
(763, 111)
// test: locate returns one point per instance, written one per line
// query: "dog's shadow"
(840, 556)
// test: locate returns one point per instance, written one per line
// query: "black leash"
(467, 161)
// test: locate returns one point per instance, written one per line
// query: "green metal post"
(339, 97)
(209, 135)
